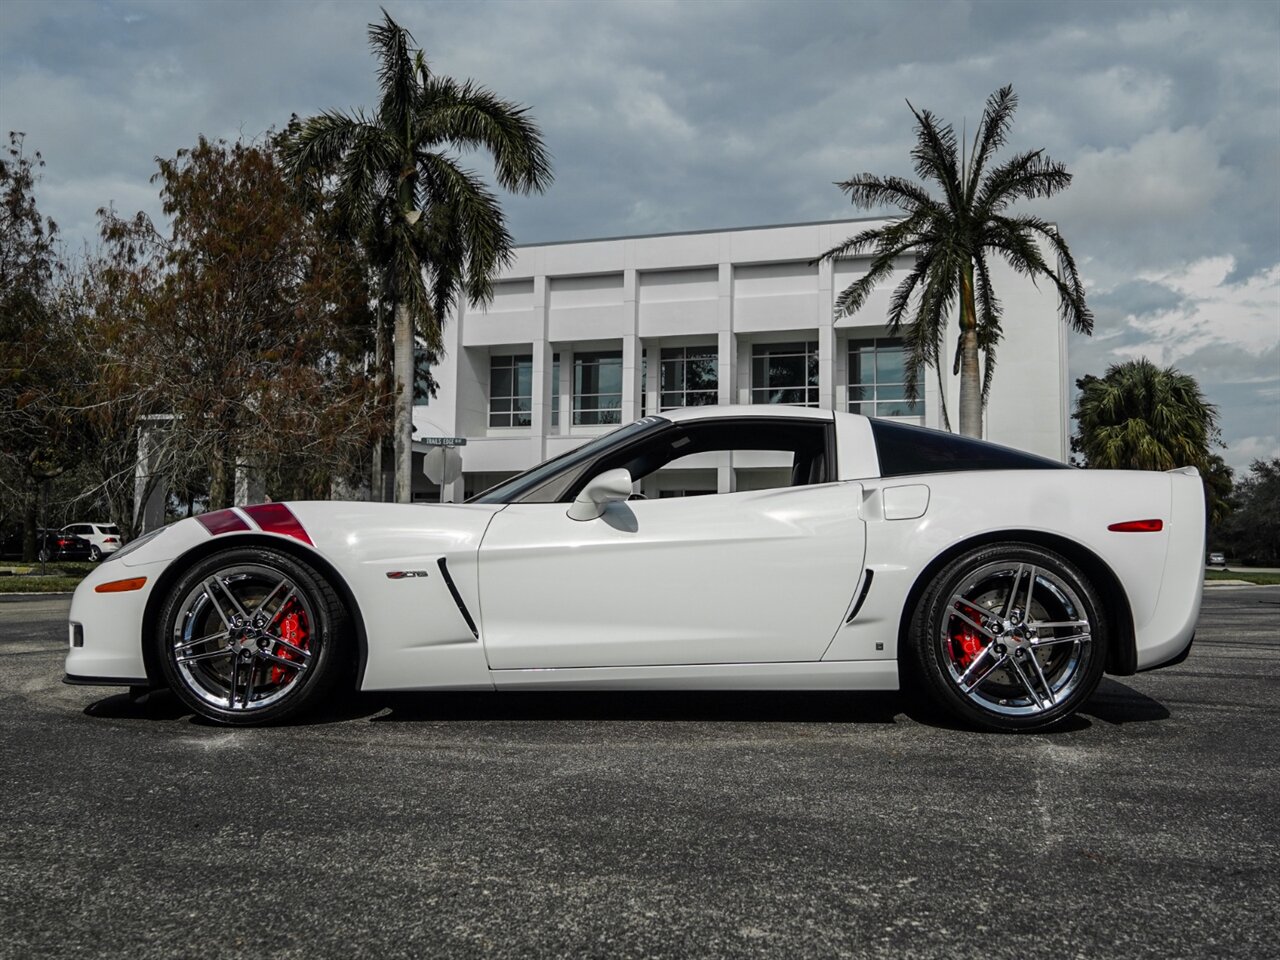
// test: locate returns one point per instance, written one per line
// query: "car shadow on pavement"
(648, 705)
(1116, 703)
(155, 705)
(1113, 703)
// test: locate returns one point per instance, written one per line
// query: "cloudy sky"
(695, 115)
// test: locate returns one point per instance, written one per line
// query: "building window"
(597, 388)
(555, 390)
(785, 373)
(511, 391)
(690, 377)
(878, 379)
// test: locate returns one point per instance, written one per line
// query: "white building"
(584, 335)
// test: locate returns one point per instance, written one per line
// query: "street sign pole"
(443, 463)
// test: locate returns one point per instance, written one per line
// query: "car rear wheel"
(252, 636)
(1010, 637)
(95, 553)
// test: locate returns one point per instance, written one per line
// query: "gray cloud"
(668, 116)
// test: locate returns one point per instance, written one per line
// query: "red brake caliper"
(965, 643)
(292, 628)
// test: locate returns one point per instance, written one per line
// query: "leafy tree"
(1252, 532)
(36, 441)
(951, 237)
(433, 229)
(238, 338)
(259, 323)
(1142, 417)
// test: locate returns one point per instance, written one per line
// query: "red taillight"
(110, 540)
(63, 543)
(1137, 526)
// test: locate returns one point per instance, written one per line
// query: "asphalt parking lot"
(646, 825)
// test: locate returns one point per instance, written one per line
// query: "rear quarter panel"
(1077, 505)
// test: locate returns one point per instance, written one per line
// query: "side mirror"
(611, 486)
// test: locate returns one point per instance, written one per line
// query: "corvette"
(1002, 583)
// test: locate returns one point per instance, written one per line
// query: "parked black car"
(50, 545)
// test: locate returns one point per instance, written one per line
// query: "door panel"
(733, 578)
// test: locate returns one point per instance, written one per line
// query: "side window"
(765, 453)
(905, 450)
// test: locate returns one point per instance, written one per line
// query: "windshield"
(547, 481)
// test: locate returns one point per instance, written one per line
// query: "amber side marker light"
(1137, 526)
(120, 586)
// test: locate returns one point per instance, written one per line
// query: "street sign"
(442, 465)
(441, 441)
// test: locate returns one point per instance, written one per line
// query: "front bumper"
(78, 681)
(110, 627)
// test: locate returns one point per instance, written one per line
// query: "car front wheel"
(1010, 637)
(251, 636)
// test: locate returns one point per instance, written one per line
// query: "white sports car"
(1004, 583)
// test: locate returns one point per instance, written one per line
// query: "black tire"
(985, 660)
(283, 681)
(43, 555)
(95, 553)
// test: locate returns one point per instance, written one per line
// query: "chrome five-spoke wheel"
(1011, 636)
(246, 633)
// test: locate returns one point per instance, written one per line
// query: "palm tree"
(1142, 417)
(433, 228)
(951, 237)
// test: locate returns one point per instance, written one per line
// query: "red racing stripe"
(277, 518)
(222, 521)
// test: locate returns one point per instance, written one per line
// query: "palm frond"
(991, 135)
(941, 292)
(364, 175)
(852, 297)
(868, 191)
(469, 115)
(390, 44)
(989, 332)
(1014, 237)
(921, 344)
(482, 230)
(934, 156)
(320, 142)
(1026, 176)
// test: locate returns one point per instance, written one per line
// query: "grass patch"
(54, 584)
(59, 577)
(1262, 579)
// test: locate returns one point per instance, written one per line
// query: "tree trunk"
(970, 373)
(221, 478)
(29, 524)
(404, 404)
(377, 477)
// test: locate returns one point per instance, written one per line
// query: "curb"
(15, 597)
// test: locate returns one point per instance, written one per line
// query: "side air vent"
(457, 597)
(862, 596)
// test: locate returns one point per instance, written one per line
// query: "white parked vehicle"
(1006, 583)
(104, 538)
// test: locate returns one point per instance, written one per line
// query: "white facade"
(735, 314)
